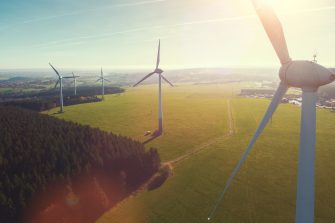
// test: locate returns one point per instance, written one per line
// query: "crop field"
(213, 121)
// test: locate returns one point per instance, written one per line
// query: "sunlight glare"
(268, 2)
(271, 2)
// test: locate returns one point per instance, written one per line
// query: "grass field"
(5, 90)
(200, 116)
(264, 190)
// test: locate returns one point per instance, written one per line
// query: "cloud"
(107, 35)
(78, 12)
(69, 41)
(84, 39)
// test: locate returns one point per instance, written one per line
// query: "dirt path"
(197, 149)
(172, 163)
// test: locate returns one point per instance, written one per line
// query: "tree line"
(46, 103)
(82, 91)
(48, 99)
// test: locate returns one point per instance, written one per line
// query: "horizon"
(137, 69)
(224, 71)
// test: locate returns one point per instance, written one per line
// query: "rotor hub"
(159, 71)
(305, 74)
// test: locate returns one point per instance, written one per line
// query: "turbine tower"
(315, 55)
(75, 83)
(160, 77)
(60, 82)
(102, 79)
(308, 76)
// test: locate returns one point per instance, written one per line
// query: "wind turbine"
(160, 77)
(102, 79)
(60, 82)
(308, 76)
(315, 55)
(75, 83)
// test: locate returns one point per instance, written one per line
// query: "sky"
(123, 34)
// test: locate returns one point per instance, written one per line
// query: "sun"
(262, 3)
(271, 2)
(268, 2)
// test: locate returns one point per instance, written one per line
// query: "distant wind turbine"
(60, 82)
(160, 77)
(75, 83)
(102, 79)
(308, 76)
(315, 55)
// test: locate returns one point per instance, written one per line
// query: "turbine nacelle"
(158, 71)
(305, 74)
(308, 76)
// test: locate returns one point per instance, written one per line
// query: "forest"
(48, 99)
(46, 103)
(38, 152)
(81, 91)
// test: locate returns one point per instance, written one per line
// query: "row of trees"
(82, 91)
(46, 103)
(37, 149)
(45, 100)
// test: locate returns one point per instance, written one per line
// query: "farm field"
(199, 115)
(221, 124)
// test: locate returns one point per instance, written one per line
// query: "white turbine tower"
(75, 83)
(60, 82)
(315, 55)
(160, 77)
(308, 76)
(102, 79)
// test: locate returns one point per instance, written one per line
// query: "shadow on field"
(155, 135)
(57, 113)
(160, 178)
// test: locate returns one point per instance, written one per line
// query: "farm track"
(197, 149)
(232, 130)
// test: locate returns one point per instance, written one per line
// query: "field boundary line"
(171, 163)
(231, 132)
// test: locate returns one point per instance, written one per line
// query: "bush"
(162, 175)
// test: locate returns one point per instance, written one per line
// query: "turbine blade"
(273, 29)
(56, 83)
(167, 80)
(55, 70)
(282, 89)
(158, 54)
(106, 80)
(143, 79)
(74, 76)
(98, 80)
(305, 189)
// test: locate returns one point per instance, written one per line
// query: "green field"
(5, 90)
(194, 115)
